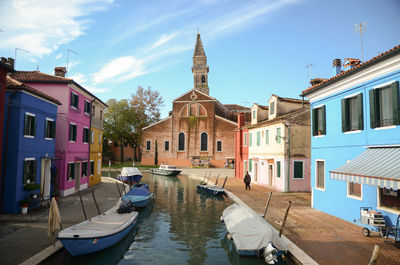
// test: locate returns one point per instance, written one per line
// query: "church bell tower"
(200, 67)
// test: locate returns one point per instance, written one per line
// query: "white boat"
(251, 234)
(166, 170)
(97, 233)
(130, 175)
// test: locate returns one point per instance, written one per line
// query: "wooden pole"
(266, 206)
(83, 207)
(95, 202)
(224, 181)
(209, 176)
(216, 182)
(284, 219)
(120, 195)
(375, 255)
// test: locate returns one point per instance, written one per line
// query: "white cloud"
(163, 40)
(120, 69)
(79, 78)
(58, 56)
(41, 26)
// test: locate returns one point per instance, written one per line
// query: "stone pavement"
(326, 239)
(23, 236)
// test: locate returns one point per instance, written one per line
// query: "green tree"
(146, 104)
(118, 123)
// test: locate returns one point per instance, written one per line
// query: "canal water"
(181, 226)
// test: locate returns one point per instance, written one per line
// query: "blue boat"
(130, 175)
(97, 233)
(212, 189)
(139, 195)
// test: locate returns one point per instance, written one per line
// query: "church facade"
(200, 131)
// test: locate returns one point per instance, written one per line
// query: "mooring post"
(120, 195)
(83, 207)
(266, 206)
(109, 169)
(95, 202)
(375, 255)
(284, 219)
(224, 181)
(209, 176)
(216, 182)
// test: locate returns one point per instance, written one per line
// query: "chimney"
(60, 71)
(240, 119)
(352, 62)
(337, 66)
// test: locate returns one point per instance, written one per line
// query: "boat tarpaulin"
(250, 232)
(130, 171)
(377, 166)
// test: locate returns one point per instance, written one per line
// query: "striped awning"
(378, 166)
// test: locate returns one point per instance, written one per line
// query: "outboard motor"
(126, 206)
(270, 254)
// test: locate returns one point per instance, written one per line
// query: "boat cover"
(130, 171)
(250, 232)
(139, 191)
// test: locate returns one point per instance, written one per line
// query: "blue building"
(356, 138)
(29, 144)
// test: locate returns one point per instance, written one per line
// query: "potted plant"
(24, 206)
(31, 186)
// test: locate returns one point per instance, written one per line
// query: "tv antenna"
(15, 56)
(360, 27)
(309, 70)
(69, 50)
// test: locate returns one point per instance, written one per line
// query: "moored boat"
(213, 189)
(166, 170)
(252, 235)
(130, 175)
(97, 233)
(139, 195)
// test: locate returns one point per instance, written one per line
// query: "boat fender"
(126, 206)
(270, 254)
(228, 236)
(215, 192)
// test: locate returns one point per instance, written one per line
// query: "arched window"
(203, 79)
(181, 141)
(204, 142)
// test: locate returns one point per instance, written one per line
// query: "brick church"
(199, 131)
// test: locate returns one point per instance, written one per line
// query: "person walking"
(247, 180)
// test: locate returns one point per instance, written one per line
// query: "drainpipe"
(3, 174)
(287, 189)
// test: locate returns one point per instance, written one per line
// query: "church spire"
(200, 68)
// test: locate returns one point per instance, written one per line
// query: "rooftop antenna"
(69, 50)
(360, 27)
(15, 56)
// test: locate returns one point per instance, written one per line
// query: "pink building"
(72, 154)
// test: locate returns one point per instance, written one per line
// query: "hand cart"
(374, 221)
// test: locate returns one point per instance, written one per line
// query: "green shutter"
(372, 108)
(250, 139)
(258, 138)
(360, 111)
(323, 108)
(267, 136)
(278, 165)
(345, 115)
(250, 165)
(314, 122)
(395, 101)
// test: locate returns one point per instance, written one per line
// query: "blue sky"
(255, 48)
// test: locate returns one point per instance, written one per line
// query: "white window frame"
(207, 142)
(83, 135)
(87, 167)
(84, 105)
(352, 196)
(73, 162)
(28, 159)
(302, 161)
(47, 138)
(77, 107)
(32, 115)
(316, 175)
(76, 132)
(383, 208)
(148, 145)
(217, 146)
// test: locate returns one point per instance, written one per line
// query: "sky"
(254, 48)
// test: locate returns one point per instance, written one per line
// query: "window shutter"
(25, 170)
(26, 129)
(53, 129)
(250, 165)
(395, 100)
(314, 122)
(74, 131)
(34, 126)
(323, 108)
(345, 116)
(72, 99)
(360, 111)
(372, 108)
(34, 170)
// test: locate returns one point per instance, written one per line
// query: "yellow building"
(96, 142)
